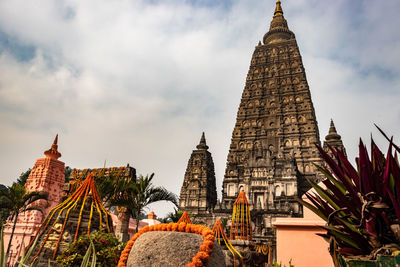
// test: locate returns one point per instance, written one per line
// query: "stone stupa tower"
(198, 193)
(272, 148)
(334, 140)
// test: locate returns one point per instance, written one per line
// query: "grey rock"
(172, 249)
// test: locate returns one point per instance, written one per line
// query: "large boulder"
(174, 249)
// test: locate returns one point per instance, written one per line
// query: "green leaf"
(312, 208)
(324, 195)
(342, 236)
(392, 184)
(22, 263)
(94, 257)
(33, 262)
(86, 258)
(351, 226)
(26, 255)
(328, 175)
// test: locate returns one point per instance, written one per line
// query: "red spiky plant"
(361, 204)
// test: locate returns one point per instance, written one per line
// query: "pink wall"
(296, 240)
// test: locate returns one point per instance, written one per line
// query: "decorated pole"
(241, 222)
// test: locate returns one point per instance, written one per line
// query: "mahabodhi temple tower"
(272, 149)
(273, 142)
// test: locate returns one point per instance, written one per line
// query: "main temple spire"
(278, 30)
(278, 9)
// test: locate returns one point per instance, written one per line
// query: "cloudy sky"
(138, 81)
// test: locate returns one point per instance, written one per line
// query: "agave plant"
(360, 205)
(24, 261)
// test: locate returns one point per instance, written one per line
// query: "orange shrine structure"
(47, 175)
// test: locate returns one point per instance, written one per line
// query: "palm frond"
(160, 194)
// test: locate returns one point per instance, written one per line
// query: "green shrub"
(107, 247)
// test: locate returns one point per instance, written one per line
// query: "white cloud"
(133, 82)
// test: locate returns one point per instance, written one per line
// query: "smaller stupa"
(81, 213)
(333, 140)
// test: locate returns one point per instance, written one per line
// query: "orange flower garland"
(201, 258)
(265, 250)
(185, 218)
(220, 234)
(80, 195)
(241, 222)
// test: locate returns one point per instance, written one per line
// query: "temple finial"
(278, 9)
(55, 140)
(202, 144)
(332, 135)
(332, 128)
(53, 151)
(203, 139)
(278, 30)
(333, 140)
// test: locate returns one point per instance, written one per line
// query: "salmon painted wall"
(296, 240)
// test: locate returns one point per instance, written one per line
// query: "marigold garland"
(265, 250)
(241, 222)
(201, 258)
(220, 234)
(185, 218)
(80, 195)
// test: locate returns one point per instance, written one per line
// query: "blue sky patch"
(21, 52)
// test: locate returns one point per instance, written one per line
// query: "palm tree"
(4, 210)
(118, 192)
(132, 197)
(146, 194)
(18, 200)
